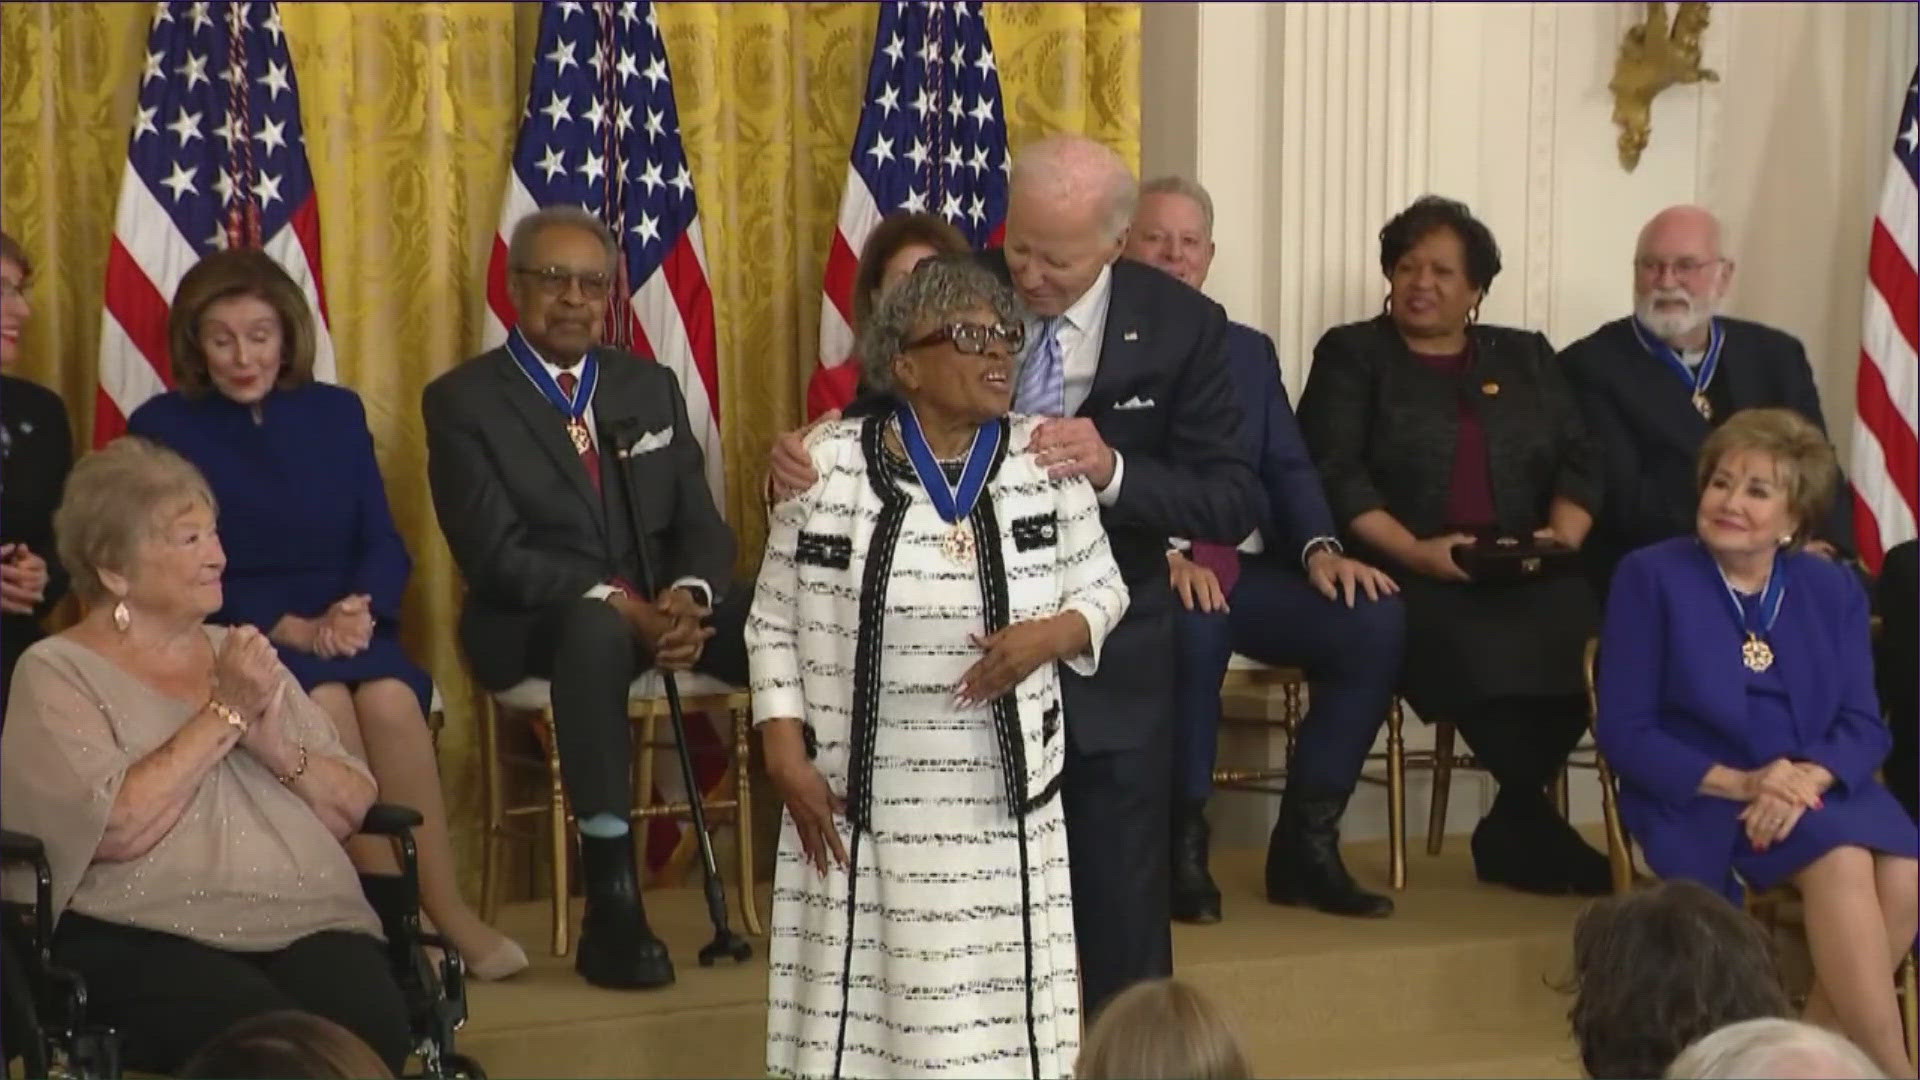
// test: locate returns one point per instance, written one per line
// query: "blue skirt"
(383, 658)
(1868, 816)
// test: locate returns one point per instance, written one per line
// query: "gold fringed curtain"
(410, 113)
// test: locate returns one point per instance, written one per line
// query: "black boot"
(1303, 857)
(1196, 899)
(617, 950)
(1512, 845)
(1586, 870)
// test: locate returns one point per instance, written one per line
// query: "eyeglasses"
(973, 338)
(1682, 268)
(554, 280)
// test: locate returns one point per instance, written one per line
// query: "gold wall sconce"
(1653, 56)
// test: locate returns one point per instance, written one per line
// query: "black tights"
(1524, 742)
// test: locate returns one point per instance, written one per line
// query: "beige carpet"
(1457, 983)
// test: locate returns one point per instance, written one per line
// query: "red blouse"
(1470, 489)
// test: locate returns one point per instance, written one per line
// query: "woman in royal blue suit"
(313, 558)
(1736, 703)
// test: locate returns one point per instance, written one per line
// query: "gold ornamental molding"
(1654, 56)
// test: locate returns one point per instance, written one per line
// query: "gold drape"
(410, 113)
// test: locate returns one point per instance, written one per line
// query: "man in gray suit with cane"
(529, 499)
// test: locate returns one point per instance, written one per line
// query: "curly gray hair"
(941, 288)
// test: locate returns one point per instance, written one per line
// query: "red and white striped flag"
(217, 159)
(932, 138)
(1885, 409)
(600, 131)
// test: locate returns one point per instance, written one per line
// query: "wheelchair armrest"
(390, 819)
(15, 845)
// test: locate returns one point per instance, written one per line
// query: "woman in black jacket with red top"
(1431, 431)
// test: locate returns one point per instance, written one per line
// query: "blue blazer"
(1296, 505)
(1673, 695)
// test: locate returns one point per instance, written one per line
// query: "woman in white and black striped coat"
(904, 638)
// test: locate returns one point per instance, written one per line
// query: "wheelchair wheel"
(461, 1067)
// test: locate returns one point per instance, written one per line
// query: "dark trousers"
(1116, 806)
(1351, 657)
(168, 996)
(588, 651)
(1524, 741)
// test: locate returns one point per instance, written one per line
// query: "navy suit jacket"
(1673, 694)
(1648, 434)
(1296, 506)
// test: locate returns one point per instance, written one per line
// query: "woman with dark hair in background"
(36, 445)
(893, 249)
(1433, 430)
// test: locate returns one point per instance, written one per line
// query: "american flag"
(600, 131)
(217, 159)
(1884, 446)
(932, 138)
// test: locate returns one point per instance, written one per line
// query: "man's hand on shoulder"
(790, 466)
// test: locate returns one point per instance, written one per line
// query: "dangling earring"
(1473, 315)
(122, 618)
(1386, 304)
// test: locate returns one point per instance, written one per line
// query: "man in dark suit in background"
(526, 489)
(1131, 363)
(1654, 384)
(1288, 595)
(36, 449)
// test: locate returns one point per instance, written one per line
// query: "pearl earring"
(122, 618)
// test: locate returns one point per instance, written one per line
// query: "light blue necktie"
(1043, 376)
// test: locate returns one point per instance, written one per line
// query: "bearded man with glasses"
(1655, 384)
(527, 494)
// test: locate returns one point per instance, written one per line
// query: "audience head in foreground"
(1657, 968)
(1162, 1029)
(286, 1045)
(1773, 1049)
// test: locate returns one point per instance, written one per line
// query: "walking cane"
(621, 436)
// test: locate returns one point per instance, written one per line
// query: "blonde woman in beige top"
(193, 801)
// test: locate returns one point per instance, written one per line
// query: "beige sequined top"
(248, 866)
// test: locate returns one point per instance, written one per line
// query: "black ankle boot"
(616, 949)
(1586, 870)
(1196, 899)
(1513, 845)
(1303, 857)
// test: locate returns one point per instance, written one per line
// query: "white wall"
(1312, 123)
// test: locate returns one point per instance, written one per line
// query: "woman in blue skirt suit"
(313, 558)
(1736, 703)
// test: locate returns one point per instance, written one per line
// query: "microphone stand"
(619, 437)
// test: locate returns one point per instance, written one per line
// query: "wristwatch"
(228, 713)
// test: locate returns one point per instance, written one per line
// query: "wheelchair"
(45, 1006)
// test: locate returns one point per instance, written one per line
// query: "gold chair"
(1247, 676)
(1771, 907)
(646, 706)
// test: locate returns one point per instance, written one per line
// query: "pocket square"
(1135, 402)
(653, 440)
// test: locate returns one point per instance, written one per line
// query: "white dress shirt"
(1081, 331)
(701, 590)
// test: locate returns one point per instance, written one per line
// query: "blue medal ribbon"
(952, 502)
(1697, 380)
(1758, 623)
(529, 361)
